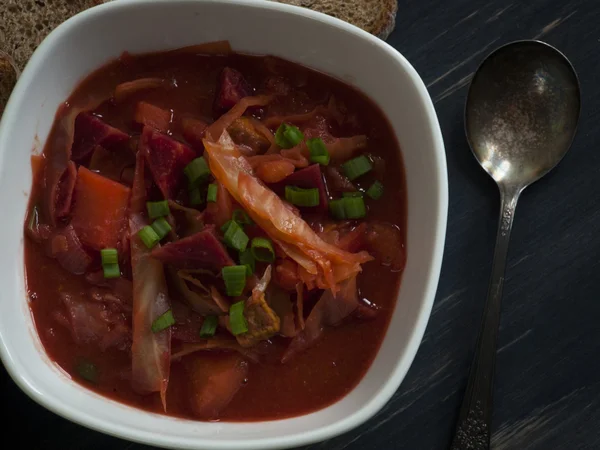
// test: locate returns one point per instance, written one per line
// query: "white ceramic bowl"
(90, 39)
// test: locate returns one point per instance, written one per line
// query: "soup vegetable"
(214, 235)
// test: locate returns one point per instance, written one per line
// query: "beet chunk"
(91, 131)
(202, 250)
(166, 159)
(232, 88)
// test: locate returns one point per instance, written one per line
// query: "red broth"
(268, 389)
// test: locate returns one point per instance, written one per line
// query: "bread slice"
(24, 24)
(378, 17)
(8, 78)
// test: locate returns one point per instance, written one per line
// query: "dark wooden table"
(547, 393)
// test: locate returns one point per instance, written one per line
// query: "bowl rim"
(395, 378)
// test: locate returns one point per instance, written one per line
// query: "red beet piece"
(166, 159)
(91, 131)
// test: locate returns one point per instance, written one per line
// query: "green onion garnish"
(234, 236)
(288, 136)
(211, 194)
(352, 194)
(237, 321)
(158, 209)
(161, 227)
(209, 326)
(357, 167)
(163, 321)
(336, 208)
(318, 151)
(195, 197)
(247, 259)
(302, 197)
(110, 263)
(241, 217)
(88, 371)
(348, 208)
(197, 171)
(111, 270)
(262, 249)
(148, 236)
(354, 207)
(235, 279)
(109, 256)
(375, 191)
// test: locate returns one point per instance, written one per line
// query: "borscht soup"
(214, 235)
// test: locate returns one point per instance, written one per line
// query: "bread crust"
(378, 17)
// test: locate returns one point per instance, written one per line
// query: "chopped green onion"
(247, 259)
(197, 171)
(288, 136)
(235, 279)
(161, 227)
(209, 326)
(302, 197)
(357, 167)
(148, 236)
(110, 263)
(195, 197)
(163, 321)
(234, 236)
(241, 217)
(323, 160)
(109, 256)
(375, 191)
(318, 151)
(226, 225)
(237, 321)
(348, 208)
(352, 194)
(111, 270)
(354, 207)
(262, 249)
(211, 194)
(336, 208)
(158, 209)
(87, 370)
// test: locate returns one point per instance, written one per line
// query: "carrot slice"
(152, 116)
(99, 211)
(274, 171)
(37, 166)
(214, 381)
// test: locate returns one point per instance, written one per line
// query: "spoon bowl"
(522, 111)
(520, 118)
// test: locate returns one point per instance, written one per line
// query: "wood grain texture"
(547, 392)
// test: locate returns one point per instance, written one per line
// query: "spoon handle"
(474, 421)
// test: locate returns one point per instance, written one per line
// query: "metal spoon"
(520, 118)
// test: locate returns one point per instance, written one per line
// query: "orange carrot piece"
(274, 171)
(37, 165)
(152, 116)
(100, 209)
(214, 381)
